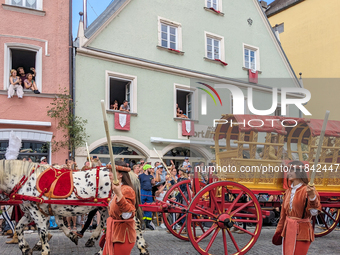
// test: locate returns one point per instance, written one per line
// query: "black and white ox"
(12, 171)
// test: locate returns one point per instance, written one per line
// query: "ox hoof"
(74, 238)
(89, 243)
(146, 252)
(27, 252)
(37, 247)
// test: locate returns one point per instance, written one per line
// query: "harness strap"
(97, 184)
(50, 213)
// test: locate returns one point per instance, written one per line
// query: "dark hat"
(159, 184)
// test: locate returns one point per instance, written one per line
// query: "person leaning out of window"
(15, 84)
(30, 84)
(125, 107)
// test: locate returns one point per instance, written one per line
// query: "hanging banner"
(122, 121)
(188, 128)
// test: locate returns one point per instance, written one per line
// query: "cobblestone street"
(160, 242)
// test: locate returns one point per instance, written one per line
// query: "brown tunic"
(305, 230)
(126, 204)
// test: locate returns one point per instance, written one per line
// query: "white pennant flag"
(122, 120)
(188, 126)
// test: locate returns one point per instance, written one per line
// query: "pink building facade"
(34, 33)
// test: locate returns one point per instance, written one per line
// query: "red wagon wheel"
(219, 207)
(173, 220)
(326, 221)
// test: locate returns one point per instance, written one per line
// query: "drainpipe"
(71, 63)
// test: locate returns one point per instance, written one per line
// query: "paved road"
(160, 242)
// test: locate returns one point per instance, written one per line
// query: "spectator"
(186, 162)
(179, 113)
(125, 107)
(160, 174)
(114, 106)
(22, 74)
(159, 195)
(43, 161)
(30, 84)
(86, 166)
(146, 181)
(15, 84)
(95, 161)
(136, 169)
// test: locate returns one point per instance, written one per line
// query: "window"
(246, 109)
(30, 149)
(32, 4)
(169, 34)
(127, 152)
(215, 5)
(212, 4)
(120, 87)
(119, 91)
(214, 47)
(26, 56)
(184, 103)
(278, 111)
(251, 57)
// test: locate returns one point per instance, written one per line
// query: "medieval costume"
(120, 232)
(295, 221)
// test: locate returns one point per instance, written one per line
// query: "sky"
(94, 9)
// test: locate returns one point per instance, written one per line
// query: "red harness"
(15, 198)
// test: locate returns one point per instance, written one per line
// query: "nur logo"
(238, 99)
(204, 97)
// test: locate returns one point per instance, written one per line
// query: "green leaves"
(73, 127)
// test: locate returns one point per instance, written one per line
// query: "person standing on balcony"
(15, 84)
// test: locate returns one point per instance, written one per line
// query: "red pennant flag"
(188, 128)
(253, 77)
(122, 121)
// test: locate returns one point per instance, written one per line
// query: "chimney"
(264, 5)
(85, 13)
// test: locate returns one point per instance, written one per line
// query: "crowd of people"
(19, 80)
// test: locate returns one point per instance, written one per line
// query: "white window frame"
(215, 37)
(246, 108)
(287, 110)
(257, 56)
(133, 88)
(218, 2)
(39, 4)
(178, 27)
(194, 100)
(8, 62)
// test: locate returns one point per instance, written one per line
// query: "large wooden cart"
(251, 164)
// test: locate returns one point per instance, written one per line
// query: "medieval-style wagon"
(253, 162)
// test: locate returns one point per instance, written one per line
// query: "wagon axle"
(224, 221)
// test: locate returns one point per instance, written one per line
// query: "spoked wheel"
(220, 207)
(326, 221)
(176, 221)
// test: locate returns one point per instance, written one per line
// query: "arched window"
(128, 153)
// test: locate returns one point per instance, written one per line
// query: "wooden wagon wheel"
(218, 214)
(326, 221)
(171, 221)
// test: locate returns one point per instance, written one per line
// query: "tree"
(72, 126)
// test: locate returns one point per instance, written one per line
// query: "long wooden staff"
(88, 155)
(322, 134)
(163, 163)
(106, 124)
